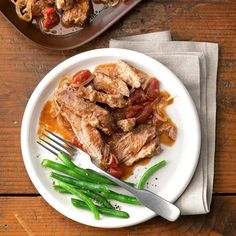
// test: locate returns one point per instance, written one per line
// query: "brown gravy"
(48, 120)
(129, 170)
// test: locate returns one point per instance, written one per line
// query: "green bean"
(83, 197)
(129, 183)
(62, 168)
(121, 197)
(102, 200)
(80, 184)
(149, 172)
(60, 189)
(102, 210)
(101, 188)
(92, 175)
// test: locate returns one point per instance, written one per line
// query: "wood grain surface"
(23, 65)
(33, 216)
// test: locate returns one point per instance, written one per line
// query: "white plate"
(182, 158)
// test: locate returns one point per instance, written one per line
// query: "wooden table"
(23, 65)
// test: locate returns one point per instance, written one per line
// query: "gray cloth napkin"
(195, 63)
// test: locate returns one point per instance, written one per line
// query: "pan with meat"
(116, 114)
(67, 13)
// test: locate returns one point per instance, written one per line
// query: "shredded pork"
(110, 85)
(130, 144)
(107, 126)
(94, 115)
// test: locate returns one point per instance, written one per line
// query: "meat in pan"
(48, 13)
(78, 14)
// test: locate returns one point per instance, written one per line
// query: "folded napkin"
(195, 64)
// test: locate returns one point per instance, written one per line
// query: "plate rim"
(50, 76)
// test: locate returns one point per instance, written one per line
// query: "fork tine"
(63, 140)
(68, 149)
(50, 150)
(58, 149)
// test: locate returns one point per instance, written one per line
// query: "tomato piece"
(81, 77)
(132, 111)
(137, 97)
(152, 89)
(143, 116)
(51, 18)
(48, 10)
(115, 172)
(114, 169)
(76, 142)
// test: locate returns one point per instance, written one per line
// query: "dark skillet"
(98, 25)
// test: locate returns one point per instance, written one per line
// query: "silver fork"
(152, 201)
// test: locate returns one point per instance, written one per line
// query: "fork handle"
(152, 201)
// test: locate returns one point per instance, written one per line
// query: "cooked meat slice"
(78, 15)
(131, 143)
(113, 138)
(110, 85)
(170, 129)
(172, 133)
(126, 124)
(89, 137)
(95, 115)
(94, 143)
(127, 74)
(60, 4)
(148, 150)
(96, 96)
(107, 69)
(64, 4)
(39, 5)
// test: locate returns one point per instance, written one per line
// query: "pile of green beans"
(91, 187)
(88, 186)
(102, 189)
